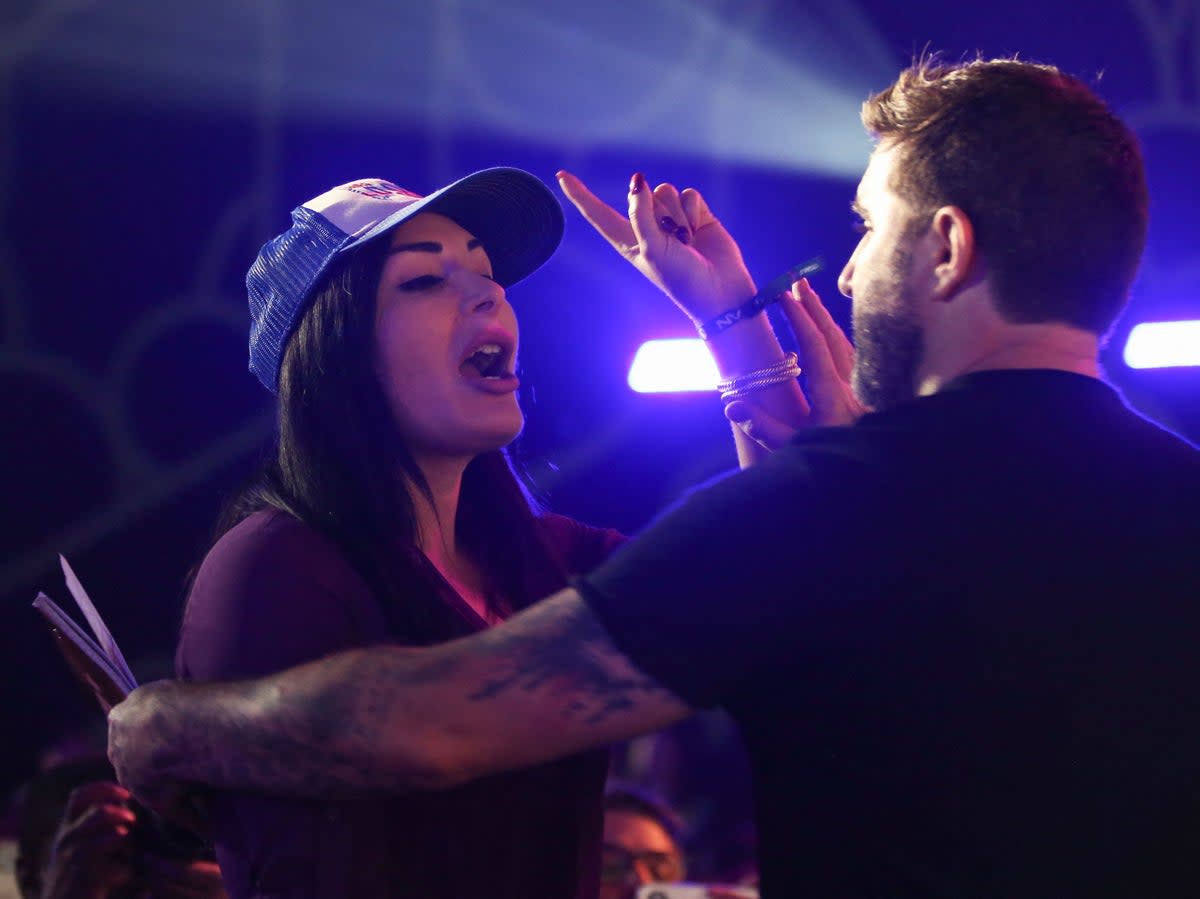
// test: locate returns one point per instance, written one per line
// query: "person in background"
(641, 843)
(699, 769)
(644, 845)
(80, 836)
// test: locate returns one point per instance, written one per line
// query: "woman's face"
(445, 342)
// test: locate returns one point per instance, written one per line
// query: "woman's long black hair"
(340, 464)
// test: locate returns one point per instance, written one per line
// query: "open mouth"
(490, 361)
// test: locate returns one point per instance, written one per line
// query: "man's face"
(637, 850)
(888, 329)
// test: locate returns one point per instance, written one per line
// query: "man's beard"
(889, 343)
(888, 350)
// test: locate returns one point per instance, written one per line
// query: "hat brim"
(516, 217)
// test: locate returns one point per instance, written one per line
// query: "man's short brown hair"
(1051, 179)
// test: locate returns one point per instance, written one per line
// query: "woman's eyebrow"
(430, 246)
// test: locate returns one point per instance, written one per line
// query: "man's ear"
(954, 242)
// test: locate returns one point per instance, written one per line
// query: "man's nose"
(843, 281)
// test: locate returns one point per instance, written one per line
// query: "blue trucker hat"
(515, 216)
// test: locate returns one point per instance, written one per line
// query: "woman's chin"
(498, 434)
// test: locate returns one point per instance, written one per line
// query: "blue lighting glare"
(1163, 345)
(710, 80)
(678, 365)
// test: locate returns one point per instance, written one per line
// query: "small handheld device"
(775, 288)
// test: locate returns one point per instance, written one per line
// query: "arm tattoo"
(560, 647)
(317, 730)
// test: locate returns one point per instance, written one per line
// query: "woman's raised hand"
(673, 239)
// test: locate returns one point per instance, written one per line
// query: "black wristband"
(773, 291)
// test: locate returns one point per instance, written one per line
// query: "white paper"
(107, 644)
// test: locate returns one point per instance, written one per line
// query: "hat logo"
(380, 190)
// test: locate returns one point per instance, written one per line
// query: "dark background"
(148, 148)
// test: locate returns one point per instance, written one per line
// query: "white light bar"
(678, 365)
(1163, 345)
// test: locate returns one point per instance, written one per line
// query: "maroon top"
(273, 593)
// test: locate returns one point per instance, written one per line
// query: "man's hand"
(143, 735)
(828, 358)
(673, 239)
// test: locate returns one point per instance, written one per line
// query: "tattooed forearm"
(272, 735)
(544, 684)
(316, 730)
(561, 651)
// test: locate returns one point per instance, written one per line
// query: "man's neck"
(1048, 346)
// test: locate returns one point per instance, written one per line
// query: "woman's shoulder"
(271, 527)
(582, 545)
(271, 546)
(270, 538)
(272, 591)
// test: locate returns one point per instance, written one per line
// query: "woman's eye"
(859, 226)
(424, 282)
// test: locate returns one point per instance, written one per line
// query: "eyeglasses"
(617, 863)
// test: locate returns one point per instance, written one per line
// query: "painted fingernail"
(684, 235)
(666, 223)
(636, 182)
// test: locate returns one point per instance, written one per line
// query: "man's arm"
(545, 684)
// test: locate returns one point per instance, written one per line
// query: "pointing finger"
(613, 226)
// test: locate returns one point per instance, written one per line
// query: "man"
(958, 635)
(641, 843)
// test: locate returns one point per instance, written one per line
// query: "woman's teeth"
(488, 360)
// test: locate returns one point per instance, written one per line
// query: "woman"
(389, 512)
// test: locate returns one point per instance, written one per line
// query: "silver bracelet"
(737, 387)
